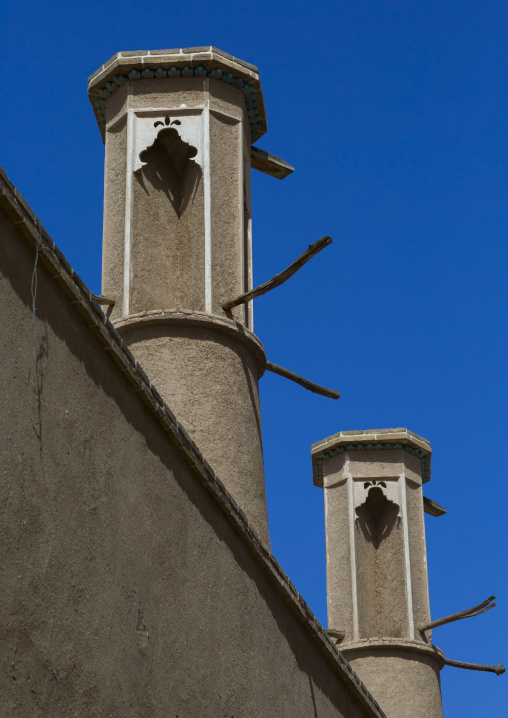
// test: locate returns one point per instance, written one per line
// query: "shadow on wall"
(377, 515)
(170, 168)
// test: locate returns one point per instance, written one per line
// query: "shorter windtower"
(377, 586)
(178, 127)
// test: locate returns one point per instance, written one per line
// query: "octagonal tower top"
(185, 62)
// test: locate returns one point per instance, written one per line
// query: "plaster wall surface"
(128, 589)
(218, 402)
(178, 239)
(419, 573)
(382, 572)
(167, 252)
(381, 583)
(413, 689)
(115, 166)
(339, 567)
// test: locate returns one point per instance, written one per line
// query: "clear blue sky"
(395, 117)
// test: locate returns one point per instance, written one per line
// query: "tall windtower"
(376, 564)
(178, 127)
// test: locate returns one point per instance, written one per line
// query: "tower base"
(403, 675)
(206, 368)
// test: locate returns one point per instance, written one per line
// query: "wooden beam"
(269, 164)
(279, 278)
(101, 299)
(432, 507)
(467, 613)
(336, 634)
(498, 670)
(316, 388)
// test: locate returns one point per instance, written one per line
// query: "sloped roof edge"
(16, 207)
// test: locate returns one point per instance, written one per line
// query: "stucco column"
(178, 127)
(377, 586)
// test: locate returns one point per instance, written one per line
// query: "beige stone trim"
(207, 191)
(250, 276)
(208, 321)
(210, 58)
(407, 558)
(352, 543)
(128, 212)
(370, 440)
(342, 438)
(371, 644)
(167, 58)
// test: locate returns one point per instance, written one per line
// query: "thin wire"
(34, 292)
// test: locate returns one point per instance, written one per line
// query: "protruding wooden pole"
(498, 670)
(279, 278)
(101, 299)
(316, 388)
(467, 613)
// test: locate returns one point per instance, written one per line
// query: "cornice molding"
(205, 62)
(400, 442)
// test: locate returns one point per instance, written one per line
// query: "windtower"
(377, 586)
(178, 127)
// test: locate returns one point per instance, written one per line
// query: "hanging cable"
(34, 294)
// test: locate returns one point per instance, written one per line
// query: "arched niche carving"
(169, 164)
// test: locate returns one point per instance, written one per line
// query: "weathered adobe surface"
(132, 583)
